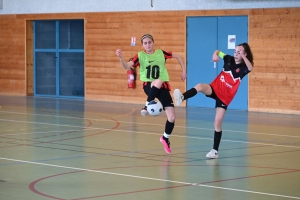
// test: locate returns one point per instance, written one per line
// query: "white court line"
(141, 132)
(148, 178)
(45, 132)
(179, 109)
(151, 124)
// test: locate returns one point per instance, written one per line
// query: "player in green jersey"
(155, 79)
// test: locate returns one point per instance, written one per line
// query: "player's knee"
(157, 83)
(199, 87)
(218, 125)
(171, 118)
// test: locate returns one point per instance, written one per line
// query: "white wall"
(67, 6)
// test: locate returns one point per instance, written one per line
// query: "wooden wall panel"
(29, 58)
(12, 57)
(274, 36)
(104, 34)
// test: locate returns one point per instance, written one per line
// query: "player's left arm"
(179, 58)
(246, 61)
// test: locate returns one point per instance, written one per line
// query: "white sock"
(146, 103)
(166, 135)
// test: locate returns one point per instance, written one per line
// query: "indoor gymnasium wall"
(274, 84)
(12, 55)
(273, 36)
(105, 77)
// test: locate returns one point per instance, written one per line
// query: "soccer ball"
(154, 107)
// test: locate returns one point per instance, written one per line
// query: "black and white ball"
(154, 108)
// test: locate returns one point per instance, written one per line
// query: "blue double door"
(59, 58)
(204, 36)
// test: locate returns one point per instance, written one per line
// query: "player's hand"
(119, 53)
(215, 58)
(241, 51)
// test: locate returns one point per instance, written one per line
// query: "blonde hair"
(147, 36)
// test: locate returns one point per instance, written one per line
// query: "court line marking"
(132, 111)
(149, 178)
(256, 133)
(173, 135)
(178, 109)
(44, 132)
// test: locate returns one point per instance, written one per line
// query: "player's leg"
(152, 92)
(155, 86)
(147, 89)
(203, 88)
(220, 113)
(168, 105)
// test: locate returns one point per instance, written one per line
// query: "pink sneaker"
(166, 144)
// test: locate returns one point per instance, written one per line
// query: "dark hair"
(247, 51)
(147, 36)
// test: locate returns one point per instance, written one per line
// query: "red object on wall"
(131, 78)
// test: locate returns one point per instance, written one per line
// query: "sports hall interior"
(273, 35)
(100, 147)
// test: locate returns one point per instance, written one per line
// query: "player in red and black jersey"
(223, 88)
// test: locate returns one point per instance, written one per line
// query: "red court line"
(32, 185)
(90, 123)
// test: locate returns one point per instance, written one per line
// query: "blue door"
(201, 43)
(204, 36)
(59, 58)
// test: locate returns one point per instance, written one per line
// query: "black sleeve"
(227, 58)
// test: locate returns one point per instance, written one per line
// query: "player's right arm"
(217, 55)
(126, 65)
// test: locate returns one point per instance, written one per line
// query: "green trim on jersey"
(221, 54)
(152, 66)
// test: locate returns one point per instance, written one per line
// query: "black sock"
(190, 93)
(152, 94)
(217, 140)
(169, 127)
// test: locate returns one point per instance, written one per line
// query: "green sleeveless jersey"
(152, 66)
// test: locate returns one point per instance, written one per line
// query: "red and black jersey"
(167, 55)
(228, 81)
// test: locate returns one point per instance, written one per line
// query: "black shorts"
(219, 103)
(163, 95)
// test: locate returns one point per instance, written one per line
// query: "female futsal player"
(155, 79)
(223, 88)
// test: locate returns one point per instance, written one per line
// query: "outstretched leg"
(179, 97)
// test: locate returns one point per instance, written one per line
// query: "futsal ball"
(154, 108)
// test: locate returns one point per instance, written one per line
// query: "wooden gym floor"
(78, 149)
